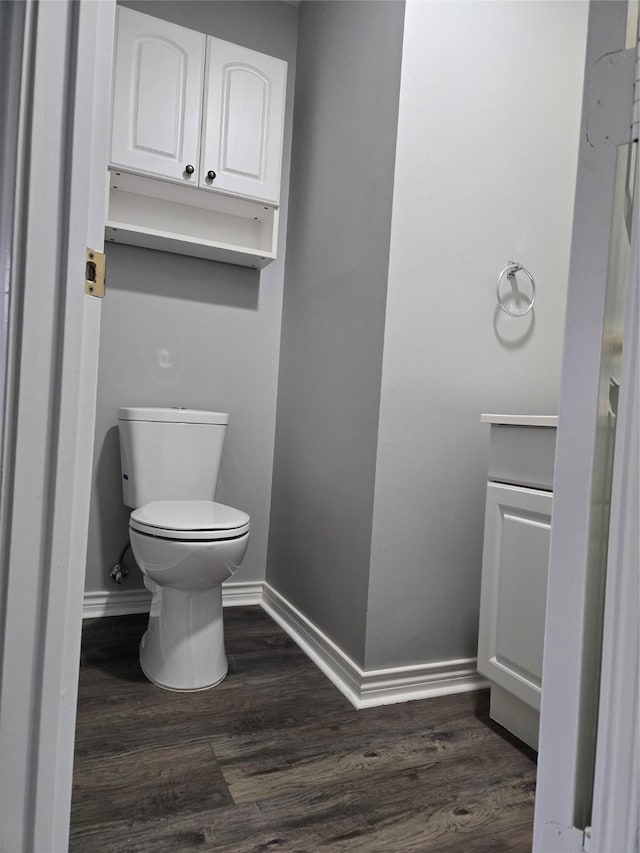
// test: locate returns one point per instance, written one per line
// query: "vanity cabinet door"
(157, 97)
(243, 121)
(514, 589)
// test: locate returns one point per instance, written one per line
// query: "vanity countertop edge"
(521, 420)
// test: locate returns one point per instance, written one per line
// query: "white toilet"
(185, 544)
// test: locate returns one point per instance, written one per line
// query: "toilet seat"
(197, 521)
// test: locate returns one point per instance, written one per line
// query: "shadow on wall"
(113, 515)
(178, 277)
(513, 332)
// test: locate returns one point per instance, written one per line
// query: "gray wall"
(346, 107)
(183, 331)
(485, 173)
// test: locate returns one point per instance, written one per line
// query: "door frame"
(556, 825)
(616, 821)
(49, 409)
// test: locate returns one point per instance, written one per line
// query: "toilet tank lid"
(175, 415)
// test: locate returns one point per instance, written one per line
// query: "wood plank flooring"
(276, 759)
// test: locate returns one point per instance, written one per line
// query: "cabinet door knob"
(211, 175)
(189, 169)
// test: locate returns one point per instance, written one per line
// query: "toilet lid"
(189, 520)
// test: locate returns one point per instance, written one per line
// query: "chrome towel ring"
(510, 271)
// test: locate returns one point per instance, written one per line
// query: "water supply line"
(119, 571)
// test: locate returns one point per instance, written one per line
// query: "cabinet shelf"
(184, 220)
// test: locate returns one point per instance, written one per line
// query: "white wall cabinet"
(157, 97)
(243, 121)
(515, 561)
(196, 147)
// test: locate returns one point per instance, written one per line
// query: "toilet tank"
(170, 454)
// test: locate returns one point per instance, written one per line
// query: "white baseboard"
(421, 681)
(327, 656)
(363, 688)
(122, 602)
(118, 602)
(242, 593)
(371, 688)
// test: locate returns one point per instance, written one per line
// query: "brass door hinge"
(94, 276)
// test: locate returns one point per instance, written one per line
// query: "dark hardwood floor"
(276, 759)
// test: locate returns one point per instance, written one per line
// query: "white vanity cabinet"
(196, 143)
(515, 568)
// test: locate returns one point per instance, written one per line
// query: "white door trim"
(50, 413)
(556, 820)
(615, 821)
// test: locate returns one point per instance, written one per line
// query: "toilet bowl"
(184, 542)
(185, 550)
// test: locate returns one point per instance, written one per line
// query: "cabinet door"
(157, 97)
(243, 121)
(514, 589)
